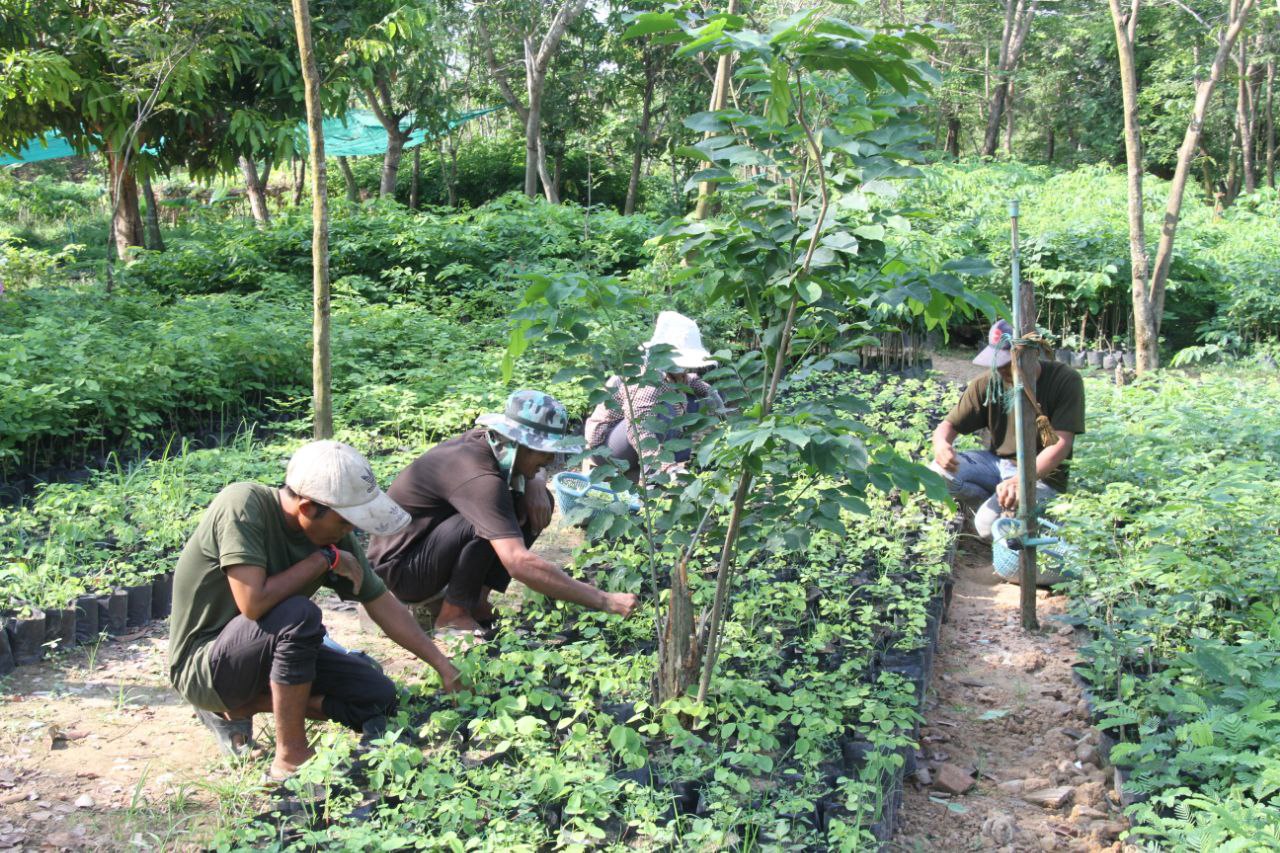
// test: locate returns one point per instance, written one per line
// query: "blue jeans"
(973, 485)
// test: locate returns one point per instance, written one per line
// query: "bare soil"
(1004, 711)
(97, 752)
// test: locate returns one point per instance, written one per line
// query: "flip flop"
(235, 737)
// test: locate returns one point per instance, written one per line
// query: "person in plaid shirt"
(639, 413)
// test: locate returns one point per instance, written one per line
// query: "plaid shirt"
(643, 398)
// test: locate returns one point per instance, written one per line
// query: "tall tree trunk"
(1244, 117)
(322, 402)
(155, 242)
(642, 136)
(1270, 124)
(719, 96)
(952, 145)
(1009, 120)
(256, 191)
(416, 177)
(557, 176)
(299, 181)
(1017, 23)
(391, 164)
(126, 214)
(349, 180)
(1049, 145)
(533, 155)
(1149, 295)
(536, 64)
(1146, 337)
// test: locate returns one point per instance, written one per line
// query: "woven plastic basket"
(576, 491)
(1005, 560)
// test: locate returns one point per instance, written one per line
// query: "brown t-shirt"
(458, 476)
(1060, 392)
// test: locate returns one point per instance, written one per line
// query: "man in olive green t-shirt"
(987, 480)
(245, 636)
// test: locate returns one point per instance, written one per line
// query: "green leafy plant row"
(1176, 508)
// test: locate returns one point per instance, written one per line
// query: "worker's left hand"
(537, 504)
(349, 567)
(1007, 493)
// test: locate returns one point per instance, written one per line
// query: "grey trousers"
(973, 485)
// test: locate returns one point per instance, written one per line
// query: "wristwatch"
(331, 556)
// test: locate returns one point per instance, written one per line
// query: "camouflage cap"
(535, 420)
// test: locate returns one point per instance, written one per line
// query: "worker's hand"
(349, 567)
(450, 678)
(1007, 493)
(620, 603)
(537, 504)
(945, 457)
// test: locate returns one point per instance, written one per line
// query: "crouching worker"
(985, 482)
(640, 414)
(245, 636)
(478, 502)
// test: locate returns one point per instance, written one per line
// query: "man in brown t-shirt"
(987, 480)
(477, 504)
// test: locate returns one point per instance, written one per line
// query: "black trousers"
(286, 646)
(450, 558)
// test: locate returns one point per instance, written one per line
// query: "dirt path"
(98, 753)
(1003, 711)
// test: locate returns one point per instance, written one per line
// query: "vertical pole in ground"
(322, 402)
(1024, 377)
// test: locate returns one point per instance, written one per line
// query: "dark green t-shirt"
(245, 525)
(1060, 392)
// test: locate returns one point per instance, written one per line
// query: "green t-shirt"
(245, 525)
(1060, 392)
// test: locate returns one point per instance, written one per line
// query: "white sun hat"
(336, 475)
(681, 334)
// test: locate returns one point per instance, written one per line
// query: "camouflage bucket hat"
(535, 420)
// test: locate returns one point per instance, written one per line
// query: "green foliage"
(1075, 247)
(487, 168)
(384, 252)
(1176, 512)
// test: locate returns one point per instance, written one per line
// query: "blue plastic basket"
(1005, 560)
(576, 491)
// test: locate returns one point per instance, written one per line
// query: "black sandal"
(235, 737)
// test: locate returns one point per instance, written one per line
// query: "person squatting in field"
(245, 636)
(985, 481)
(478, 502)
(640, 416)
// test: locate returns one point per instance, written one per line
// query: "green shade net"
(51, 146)
(356, 134)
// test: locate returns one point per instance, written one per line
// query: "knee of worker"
(984, 519)
(380, 692)
(955, 486)
(298, 617)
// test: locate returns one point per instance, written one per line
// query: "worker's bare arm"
(256, 592)
(549, 579)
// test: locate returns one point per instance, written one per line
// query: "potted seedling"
(26, 634)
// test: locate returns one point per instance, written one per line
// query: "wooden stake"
(1024, 376)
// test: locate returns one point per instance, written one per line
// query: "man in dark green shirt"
(245, 636)
(987, 480)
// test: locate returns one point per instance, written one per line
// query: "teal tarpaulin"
(356, 134)
(51, 146)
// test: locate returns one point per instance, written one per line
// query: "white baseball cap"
(336, 475)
